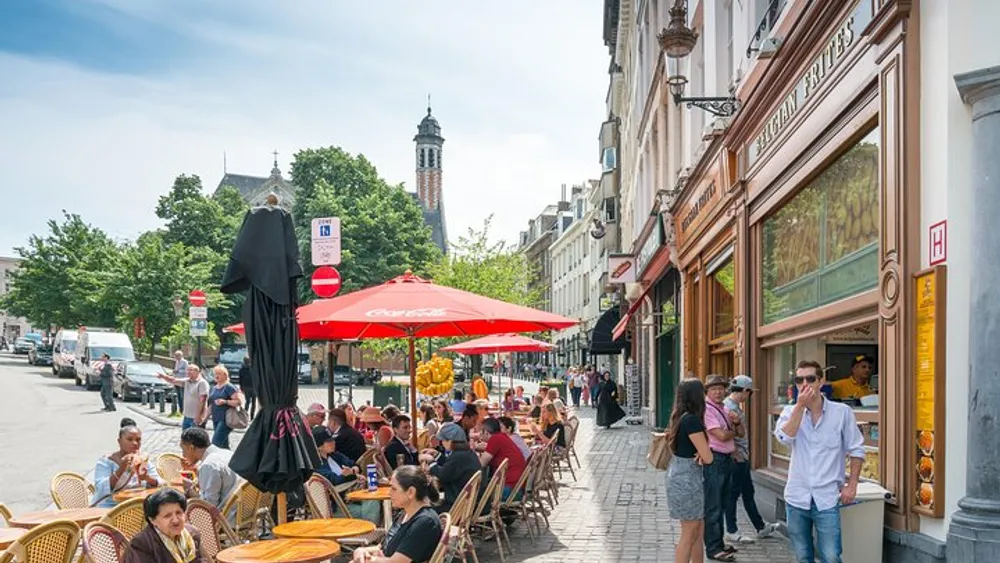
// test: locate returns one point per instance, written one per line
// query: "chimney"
(563, 196)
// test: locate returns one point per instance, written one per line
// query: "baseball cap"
(321, 435)
(862, 358)
(316, 408)
(453, 432)
(741, 383)
(715, 380)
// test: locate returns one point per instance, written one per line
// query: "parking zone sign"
(326, 241)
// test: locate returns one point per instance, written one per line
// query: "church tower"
(428, 155)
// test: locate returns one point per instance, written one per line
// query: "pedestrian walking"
(222, 397)
(246, 386)
(577, 381)
(688, 441)
(180, 373)
(594, 384)
(740, 390)
(608, 409)
(722, 428)
(195, 411)
(820, 434)
(107, 374)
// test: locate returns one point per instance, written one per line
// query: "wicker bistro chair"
(216, 534)
(103, 543)
(574, 427)
(169, 467)
(521, 502)
(128, 518)
(487, 514)
(319, 491)
(71, 490)
(55, 542)
(562, 455)
(462, 513)
(445, 550)
(5, 513)
(250, 510)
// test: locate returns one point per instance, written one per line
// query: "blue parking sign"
(324, 231)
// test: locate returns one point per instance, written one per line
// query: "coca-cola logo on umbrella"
(407, 313)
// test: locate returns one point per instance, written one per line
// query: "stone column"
(974, 534)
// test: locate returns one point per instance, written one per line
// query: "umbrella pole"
(413, 389)
(282, 508)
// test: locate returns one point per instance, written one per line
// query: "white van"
(64, 353)
(90, 345)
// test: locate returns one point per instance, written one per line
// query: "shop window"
(843, 355)
(822, 246)
(723, 287)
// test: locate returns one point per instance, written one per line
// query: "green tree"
(150, 275)
(382, 228)
(62, 276)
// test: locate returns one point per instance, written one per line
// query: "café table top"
(82, 516)
(382, 493)
(129, 494)
(9, 535)
(324, 528)
(280, 551)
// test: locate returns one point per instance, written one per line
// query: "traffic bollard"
(162, 397)
(173, 403)
(142, 397)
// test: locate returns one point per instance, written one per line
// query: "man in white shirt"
(820, 433)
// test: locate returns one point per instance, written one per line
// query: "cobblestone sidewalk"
(617, 509)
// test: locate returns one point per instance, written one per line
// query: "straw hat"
(372, 414)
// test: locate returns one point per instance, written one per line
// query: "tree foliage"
(382, 227)
(62, 276)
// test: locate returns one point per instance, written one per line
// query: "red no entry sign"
(325, 282)
(197, 298)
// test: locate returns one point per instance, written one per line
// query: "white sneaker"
(739, 538)
(767, 531)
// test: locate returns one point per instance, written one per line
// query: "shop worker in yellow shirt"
(855, 386)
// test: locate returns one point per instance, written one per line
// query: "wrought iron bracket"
(719, 106)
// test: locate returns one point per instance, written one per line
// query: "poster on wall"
(929, 387)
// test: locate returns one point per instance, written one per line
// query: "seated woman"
(551, 422)
(167, 538)
(126, 468)
(415, 534)
(455, 469)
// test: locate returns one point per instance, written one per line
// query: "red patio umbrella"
(498, 343)
(411, 307)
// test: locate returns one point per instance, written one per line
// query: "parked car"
(40, 355)
(23, 346)
(231, 356)
(63, 348)
(132, 377)
(342, 375)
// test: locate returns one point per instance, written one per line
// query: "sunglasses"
(808, 379)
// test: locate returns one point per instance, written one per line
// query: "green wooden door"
(666, 374)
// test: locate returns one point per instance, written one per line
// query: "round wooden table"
(324, 529)
(280, 551)
(129, 494)
(82, 516)
(9, 535)
(380, 494)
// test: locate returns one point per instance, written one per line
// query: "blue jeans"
(742, 485)
(800, 531)
(718, 477)
(220, 434)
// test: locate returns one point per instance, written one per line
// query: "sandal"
(723, 556)
(729, 549)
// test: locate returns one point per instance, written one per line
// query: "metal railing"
(765, 26)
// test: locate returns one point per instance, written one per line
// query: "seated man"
(334, 466)
(399, 445)
(216, 480)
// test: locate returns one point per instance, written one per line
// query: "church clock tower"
(429, 143)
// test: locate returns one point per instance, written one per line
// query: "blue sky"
(104, 102)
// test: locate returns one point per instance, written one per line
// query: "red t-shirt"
(501, 447)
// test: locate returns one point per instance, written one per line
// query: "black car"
(40, 355)
(132, 377)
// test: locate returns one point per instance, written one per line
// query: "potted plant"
(556, 384)
(388, 391)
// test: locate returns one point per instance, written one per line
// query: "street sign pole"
(198, 315)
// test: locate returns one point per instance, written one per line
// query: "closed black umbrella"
(277, 453)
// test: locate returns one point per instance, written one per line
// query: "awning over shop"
(619, 329)
(601, 341)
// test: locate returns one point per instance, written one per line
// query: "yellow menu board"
(929, 389)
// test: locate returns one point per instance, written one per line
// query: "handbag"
(659, 451)
(237, 418)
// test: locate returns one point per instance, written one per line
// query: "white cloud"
(518, 88)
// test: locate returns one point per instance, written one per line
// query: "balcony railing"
(765, 26)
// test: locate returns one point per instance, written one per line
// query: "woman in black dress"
(608, 410)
